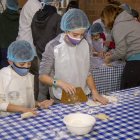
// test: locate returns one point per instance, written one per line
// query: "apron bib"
(72, 66)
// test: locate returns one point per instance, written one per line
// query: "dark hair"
(116, 2)
(135, 14)
(72, 4)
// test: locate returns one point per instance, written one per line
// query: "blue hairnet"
(74, 19)
(51, 1)
(126, 7)
(20, 51)
(96, 28)
(12, 4)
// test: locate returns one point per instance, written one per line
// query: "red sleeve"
(112, 45)
(103, 36)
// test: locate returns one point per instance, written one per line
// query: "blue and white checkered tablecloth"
(107, 79)
(124, 122)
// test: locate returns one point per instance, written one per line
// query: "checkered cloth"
(107, 79)
(124, 122)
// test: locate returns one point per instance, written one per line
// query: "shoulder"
(5, 71)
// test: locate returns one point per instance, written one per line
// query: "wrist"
(22, 108)
(58, 84)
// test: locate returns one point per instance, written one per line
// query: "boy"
(16, 83)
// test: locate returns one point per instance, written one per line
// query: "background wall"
(93, 8)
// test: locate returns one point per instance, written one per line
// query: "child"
(67, 60)
(96, 38)
(16, 83)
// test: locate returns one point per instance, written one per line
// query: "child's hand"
(32, 110)
(98, 97)
(45, 104)
(107, 43)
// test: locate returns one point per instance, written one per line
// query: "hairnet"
(51, 1)
(74, 19)
(12, 4)
(96, 28)
(20, 51)
(126, 7)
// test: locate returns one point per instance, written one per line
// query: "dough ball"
(107, 64)
(102, 117)
(27, 115)
(93, 103)
(136, 94)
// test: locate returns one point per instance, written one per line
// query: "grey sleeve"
(47, 62)
(120, 50)
(91, 62)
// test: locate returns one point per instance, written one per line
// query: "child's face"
(96, 37)
(77, 34)
(21, 65)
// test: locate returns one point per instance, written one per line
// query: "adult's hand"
(107, 43)
(108, 59)
(69, 88)
(108, 53)
(101, 54)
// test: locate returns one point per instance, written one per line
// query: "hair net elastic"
(51, 1)
(12, 4)
(96, 28)
(20, 51)
(73, 20)
(126, 7)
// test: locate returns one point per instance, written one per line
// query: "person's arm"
(91, 83)
(95, 94)
(16, 109)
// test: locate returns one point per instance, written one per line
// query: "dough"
(27, 115)
(93, 103)
(107, 64)
(136, 94)
(111, 98)
(102, 117)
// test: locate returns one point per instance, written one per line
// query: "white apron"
(98, 45)
(72, 65)
(19, 92)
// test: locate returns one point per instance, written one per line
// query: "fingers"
(34, 109)
(70, 89)
(47, 104)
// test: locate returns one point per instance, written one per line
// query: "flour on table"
(27, 115)
(136, 94)
(102, 117)
(110, 98)
(93, 103)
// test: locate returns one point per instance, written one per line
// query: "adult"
(45, 27)
(9, 23)
(106, 31)
(25, 33)
(71, 5)
(67, 60)
(126, 34)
